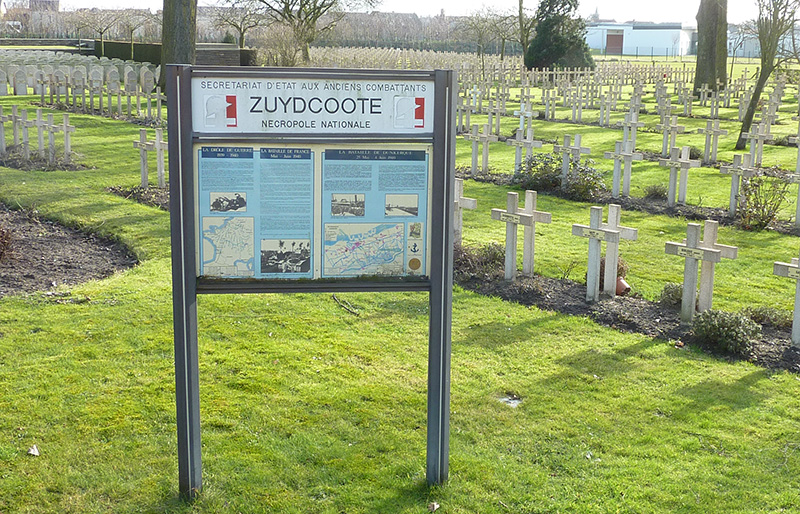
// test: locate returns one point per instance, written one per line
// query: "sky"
(620, 10)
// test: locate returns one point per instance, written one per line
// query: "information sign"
(295, 180)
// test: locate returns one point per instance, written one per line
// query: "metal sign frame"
(186, 284)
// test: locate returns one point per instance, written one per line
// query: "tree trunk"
(712, 44)
(179, 28)
(741, 143)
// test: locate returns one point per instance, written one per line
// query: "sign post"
(291, 180)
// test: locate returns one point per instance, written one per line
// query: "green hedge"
(142, 52)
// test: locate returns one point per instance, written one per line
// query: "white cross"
(520, 143)
(758, 136)
(623, 156)
(596, 234)
(709, 242)
(529, 231)
(160, 145)
(569, 153)
(612, 248)
(461, 203)
(512, 217)
(740, 168)
(691, 251)
(792, 270)
(712, 132)
(144, 146)
(671, 130)
(3, 120)
(678, 162)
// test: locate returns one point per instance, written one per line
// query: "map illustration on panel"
(228, 247)
(364, 249)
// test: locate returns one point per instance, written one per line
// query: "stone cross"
(678, 162)
(709, 242)
(792, 270)
(704, 91)
(525, 116)
(513, 217)
(474, 137)
(52, 128)
(529, 231)
(712, 132)
(693, 253)
(41, 125)
(623, 156)
(461, 203)
(144, 146)
(161, 145)
(740, 168)
(757, 136)
(569, 153)
(629, 127)
(549, 106)
(671, 130)
(3, 120)
(25, 124)
(596, 234)
(605, 110)
(67, 129)
(612, 248)
(527, 143)
(15, 123)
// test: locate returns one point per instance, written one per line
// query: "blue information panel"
(374, 212)
(256, 212)
(291, 212)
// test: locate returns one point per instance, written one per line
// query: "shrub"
(695, 153)
(769, 316)
(760, 199)
(671, 294)
(542, 172)
(539, 172)
(656, 192)
(483, 260)
(727, 331)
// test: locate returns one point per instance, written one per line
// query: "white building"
(641, 38)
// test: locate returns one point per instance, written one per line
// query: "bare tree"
(479, 28)
(131, 21)
(240, 15)
(775, 19)
(307, 19)
(505, 29)
(99, 21)
(525, 26)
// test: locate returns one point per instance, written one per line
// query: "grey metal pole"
(441, 296)
(184, 280)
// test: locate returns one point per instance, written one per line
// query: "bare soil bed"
(40, 254)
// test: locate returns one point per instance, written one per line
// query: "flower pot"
(623, 287)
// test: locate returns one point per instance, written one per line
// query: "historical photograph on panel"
(402, 205)
(285, 255)
(347, 204)
(228, 202)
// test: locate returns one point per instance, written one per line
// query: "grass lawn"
(308, 408)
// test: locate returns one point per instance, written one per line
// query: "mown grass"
(308, 408)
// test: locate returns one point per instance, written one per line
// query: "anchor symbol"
(414, 248)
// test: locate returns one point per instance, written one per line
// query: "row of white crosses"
(20, 125)
(700, 254)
